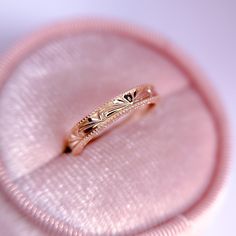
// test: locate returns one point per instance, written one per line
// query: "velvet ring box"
(161, 174)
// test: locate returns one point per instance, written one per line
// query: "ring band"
(93, 124)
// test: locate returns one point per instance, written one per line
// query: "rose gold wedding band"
(93, 124)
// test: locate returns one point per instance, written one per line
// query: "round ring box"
(160, 173)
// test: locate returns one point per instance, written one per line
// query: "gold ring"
(92, 125)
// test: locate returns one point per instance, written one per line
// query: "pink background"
(204, 29)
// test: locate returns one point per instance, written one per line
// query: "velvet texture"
(143, 172)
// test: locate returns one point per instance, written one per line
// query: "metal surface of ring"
(93, 124)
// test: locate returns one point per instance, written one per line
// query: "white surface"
(204, 29)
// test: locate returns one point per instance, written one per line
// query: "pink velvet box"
(159, 174)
